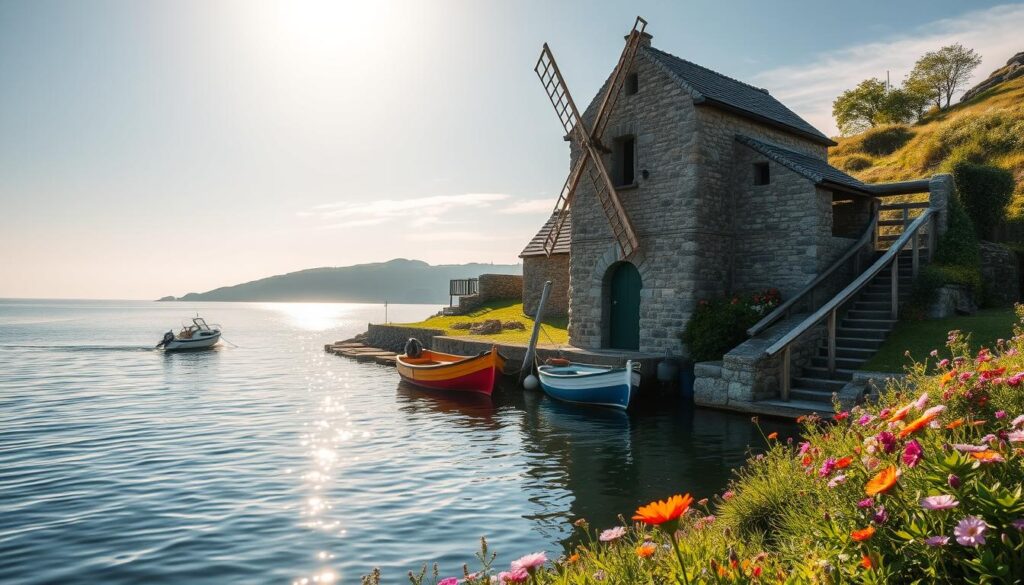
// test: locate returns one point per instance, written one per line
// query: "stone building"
(728, 191)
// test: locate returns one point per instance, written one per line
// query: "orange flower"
(573, 558)
(918, 424)
(882, 482)
(773, 436)
(988, 456)
(865, 561)
(955, 424)
(646, 549)
(844, 462)
(901, 413)
(862, 534)
(660, 512)
(807, 460)
(946, 377)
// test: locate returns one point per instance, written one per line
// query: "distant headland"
(394, 281)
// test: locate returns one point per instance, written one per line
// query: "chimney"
(645, 39)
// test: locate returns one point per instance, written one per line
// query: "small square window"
(624, 161)
(632, 84)
(761, 176)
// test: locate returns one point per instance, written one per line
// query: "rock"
(462, 325)
(1013, 69)
(952, 299)
(517, 325)
(488, 327)
(1000, 273)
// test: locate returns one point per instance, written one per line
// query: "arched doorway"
(624, 307)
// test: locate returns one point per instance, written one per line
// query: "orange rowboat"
(443, 371)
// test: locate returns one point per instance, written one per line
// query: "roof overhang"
(704, 100)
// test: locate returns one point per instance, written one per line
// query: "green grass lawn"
(921, 337)
(554, 331)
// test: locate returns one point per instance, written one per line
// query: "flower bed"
(924, 486)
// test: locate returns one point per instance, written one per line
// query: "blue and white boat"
(587, 384)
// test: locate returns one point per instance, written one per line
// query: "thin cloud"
(416, 211)
(453, 236)
(528, 206)
(809, 88)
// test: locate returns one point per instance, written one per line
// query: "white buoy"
(530, 382)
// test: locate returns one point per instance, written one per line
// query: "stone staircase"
(861, 330)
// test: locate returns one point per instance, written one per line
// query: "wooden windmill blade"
(618, 220)
(618, 78)
(562, 206)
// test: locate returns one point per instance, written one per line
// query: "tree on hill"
(871, 103)
(945, 71)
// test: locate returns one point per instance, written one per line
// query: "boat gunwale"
(609, 370)
(436, 366)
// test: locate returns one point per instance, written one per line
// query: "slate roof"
(536, 245)
(713, 88)
(815, 169)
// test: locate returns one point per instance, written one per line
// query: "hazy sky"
(151, 148)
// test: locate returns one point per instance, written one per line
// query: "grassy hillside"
(553, 330)
(987, 129)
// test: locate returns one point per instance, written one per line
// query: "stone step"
(823, 384)
(860, 353)
(863, 305)
(792, 408)
(843, 363)
(811, 395)
(861, 342)
(863, 333)
(884, 324)
(857, 315)
(819, 372)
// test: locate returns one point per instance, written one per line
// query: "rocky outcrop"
(1013, 69)
(1000, 274)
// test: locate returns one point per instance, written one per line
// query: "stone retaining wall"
(537, 270)
(393, 337)
(492, 287)
(1000, 274)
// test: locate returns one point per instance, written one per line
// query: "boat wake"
(79, 348)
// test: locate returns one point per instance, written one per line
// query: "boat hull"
(195, 343)
(438, 371)
(590, 385)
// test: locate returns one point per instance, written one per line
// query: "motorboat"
(198, 335)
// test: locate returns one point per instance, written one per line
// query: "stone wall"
(393, 337)
(1000, 274)
(537, 270)
(492, 287)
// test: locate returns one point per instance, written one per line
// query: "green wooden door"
(624, 323)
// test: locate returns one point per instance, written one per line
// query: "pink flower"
(516, 575)
(827, 466)
(912, 453)
(612, 534)
(1000, 414)
(963, 448)
(921, 402)
(728, 495)
(943, 502)
(1018, 524)
(1019, 421)
(836, 480)
(448, 581)
(937, 540)
(970, 531)
(865, 503)
(1015, 437)
(531, 561)
(887, 440)
(804, 446)
(865, 419)
(934, 411)
(943, 363)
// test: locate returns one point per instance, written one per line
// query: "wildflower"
(646, 549)
(943, 363)
(1015, 437)
(843, 462)
(1019, 421)
(885, 413)
(953, 481)
(955, 424)
(704, 521)
(865, 503)
(664, 513)
(942, 502)
(836, 480)
(702, 502)
(530, 562)
(772, 436)
(887, 440)
(582, 522)
(901, 413)
(882, 482)
(1000, 414)
(970, 531)
(936, 541)
(880, 516)
(804, 446)
(865, 561)
(865, 419)
(862, 534)
(989, 438)
(1018, 524)
(988, 456)
(928, 416)
(612, 534)
(921, 401)
(841, 415)
(965, 448)
(728, 495)
(826, 467)
(912, 453)
(600, 575)
(449, 581)
(934, 353)
(513, 576)
(574, 557)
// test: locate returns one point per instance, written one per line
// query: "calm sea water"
(269, 461)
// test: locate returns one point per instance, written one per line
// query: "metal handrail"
(783, 309)
(831, 308)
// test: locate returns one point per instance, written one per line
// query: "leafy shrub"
(853, 162)
(985, 192)
(721, 324)
(885, 140)
(959, 245)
